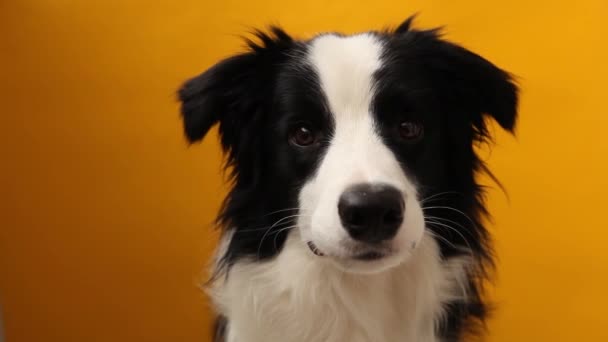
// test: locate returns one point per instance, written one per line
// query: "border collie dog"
(354, 213)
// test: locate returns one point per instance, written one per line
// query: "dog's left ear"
(475, 85)
(468, 82)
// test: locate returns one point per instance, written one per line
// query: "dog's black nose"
(371, 212)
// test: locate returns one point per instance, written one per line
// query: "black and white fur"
(286, 268)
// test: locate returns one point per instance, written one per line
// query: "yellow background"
(105, 211)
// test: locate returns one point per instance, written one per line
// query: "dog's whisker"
(285, 218)
(435, 196)
(244, 231)
(280, 211)
(435, 224)
(272, 213)
(453, 209)
(269, 229)
(276, 234)
(467, 230)
(437, 236)
(254, 229)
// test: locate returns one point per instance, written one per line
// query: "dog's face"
(343, 137)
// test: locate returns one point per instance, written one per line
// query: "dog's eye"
(411, 131)
(302, 136)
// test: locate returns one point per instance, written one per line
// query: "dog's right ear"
(233, 91)
(207, 96)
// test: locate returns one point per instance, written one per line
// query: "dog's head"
(344, 137)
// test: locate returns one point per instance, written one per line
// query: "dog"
(354, 212)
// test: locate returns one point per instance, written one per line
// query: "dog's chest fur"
(299, 297)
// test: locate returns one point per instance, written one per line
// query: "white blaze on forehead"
(345, 66)
(357, 154)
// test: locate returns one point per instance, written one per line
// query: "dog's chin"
(379, 265)
(364, 262)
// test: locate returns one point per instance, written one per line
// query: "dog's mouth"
(364, 256)
(369, 256)
(314, 249)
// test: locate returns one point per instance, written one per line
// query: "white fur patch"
(300, 297)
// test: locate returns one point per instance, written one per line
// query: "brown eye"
(410, 131)
(302, 136)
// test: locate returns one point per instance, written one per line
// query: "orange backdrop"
(105, 211)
